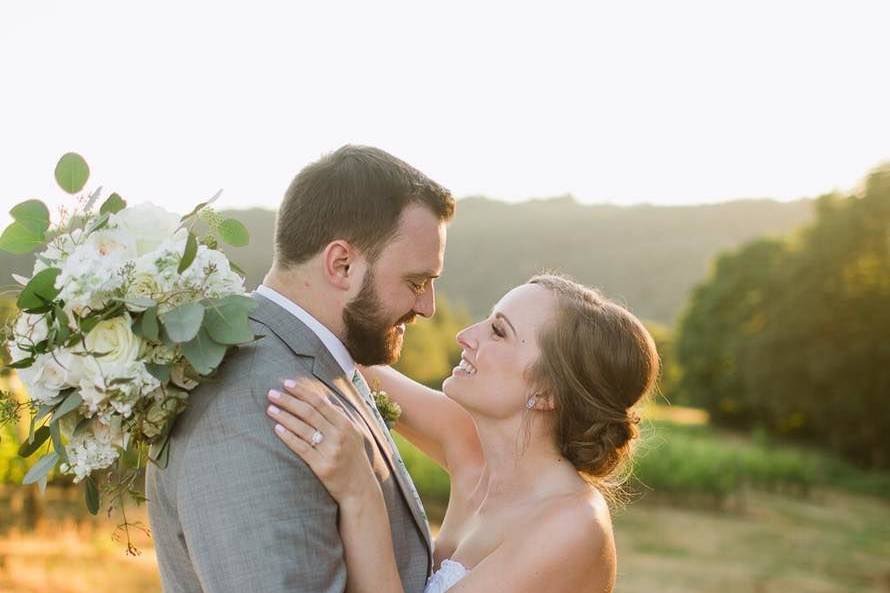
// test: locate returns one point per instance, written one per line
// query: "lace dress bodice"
(449, 573)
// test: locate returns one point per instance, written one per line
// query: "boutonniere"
(389, 410)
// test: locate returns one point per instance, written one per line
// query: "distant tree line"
(793, 336)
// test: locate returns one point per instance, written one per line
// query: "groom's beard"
(370, 338)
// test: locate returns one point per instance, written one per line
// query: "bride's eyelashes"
(497, 331)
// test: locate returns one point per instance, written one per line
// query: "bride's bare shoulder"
(582, 517)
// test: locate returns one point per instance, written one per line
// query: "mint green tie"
(365, 391)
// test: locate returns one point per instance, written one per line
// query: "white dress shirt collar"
(331, 342)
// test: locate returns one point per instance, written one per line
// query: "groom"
(359, 240)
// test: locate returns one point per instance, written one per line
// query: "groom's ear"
(338, 263)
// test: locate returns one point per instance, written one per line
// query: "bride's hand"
(338, 459)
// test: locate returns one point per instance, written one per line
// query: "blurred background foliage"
(771, 415)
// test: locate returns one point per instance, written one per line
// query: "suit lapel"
(303, 342)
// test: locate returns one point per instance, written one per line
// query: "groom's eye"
(419, 288)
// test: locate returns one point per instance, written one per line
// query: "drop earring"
(530, 403)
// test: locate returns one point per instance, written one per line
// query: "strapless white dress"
(449, 573)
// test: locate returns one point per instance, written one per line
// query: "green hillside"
(646, 256)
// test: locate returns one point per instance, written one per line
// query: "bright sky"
(622, 102)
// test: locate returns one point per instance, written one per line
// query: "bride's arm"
(342, 465)
(566, 547)
(430, 420)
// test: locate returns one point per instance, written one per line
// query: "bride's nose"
(466, 338)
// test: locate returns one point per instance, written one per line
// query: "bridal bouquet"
(126, 311)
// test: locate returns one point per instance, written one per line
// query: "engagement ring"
(317, 438)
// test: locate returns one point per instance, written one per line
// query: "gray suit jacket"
(235, 511)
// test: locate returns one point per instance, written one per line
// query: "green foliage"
(188, 256)
(432, 482)
(203, 353)
(226, 319)
(233, 232)
(72, 172)
(28, 229)
(792, 336)
(669, 378)
(685, 463)
(182, 323)
(430, 350)
(691, 464)
(113, 204)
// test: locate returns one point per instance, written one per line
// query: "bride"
(533, 427)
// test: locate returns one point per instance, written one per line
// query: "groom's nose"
(425, 305)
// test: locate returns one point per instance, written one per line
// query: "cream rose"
(147, 224)
(115, 338)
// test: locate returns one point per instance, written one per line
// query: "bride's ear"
(542, 401)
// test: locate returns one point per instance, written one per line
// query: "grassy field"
(713, 511)
(831, 542)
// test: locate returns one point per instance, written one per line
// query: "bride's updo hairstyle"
(598, 361)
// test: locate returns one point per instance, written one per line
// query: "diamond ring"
(317, 438)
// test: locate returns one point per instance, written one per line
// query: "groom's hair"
(356, 193)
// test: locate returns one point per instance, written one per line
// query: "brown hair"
(356, 193)
(598, 361)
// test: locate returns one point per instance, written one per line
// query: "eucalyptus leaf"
(91, 495)
(159, 452)
(33, 214)
(234, 233)
(40, 289)
(237, 269)
(92, 199)
(72, 172)
(203, 353)
(140, 301)
(226, 319)
(72, 402)
(99, 222)
(22, 363)
(41, 468)
(161, 372)
(148, 324)
(112, 205)
(38, 438)
(81, 425)
(46, 408)
(61, 317)
(197, 208)
(183, 322)
(56, 433)
(188, 256)
(19, 239)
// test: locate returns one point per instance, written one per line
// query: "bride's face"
(491, 379)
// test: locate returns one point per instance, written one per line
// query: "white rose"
(144, 284)
(115, 338)
(56, 371)
(32, 380)
(30, 329)
(147, 224)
